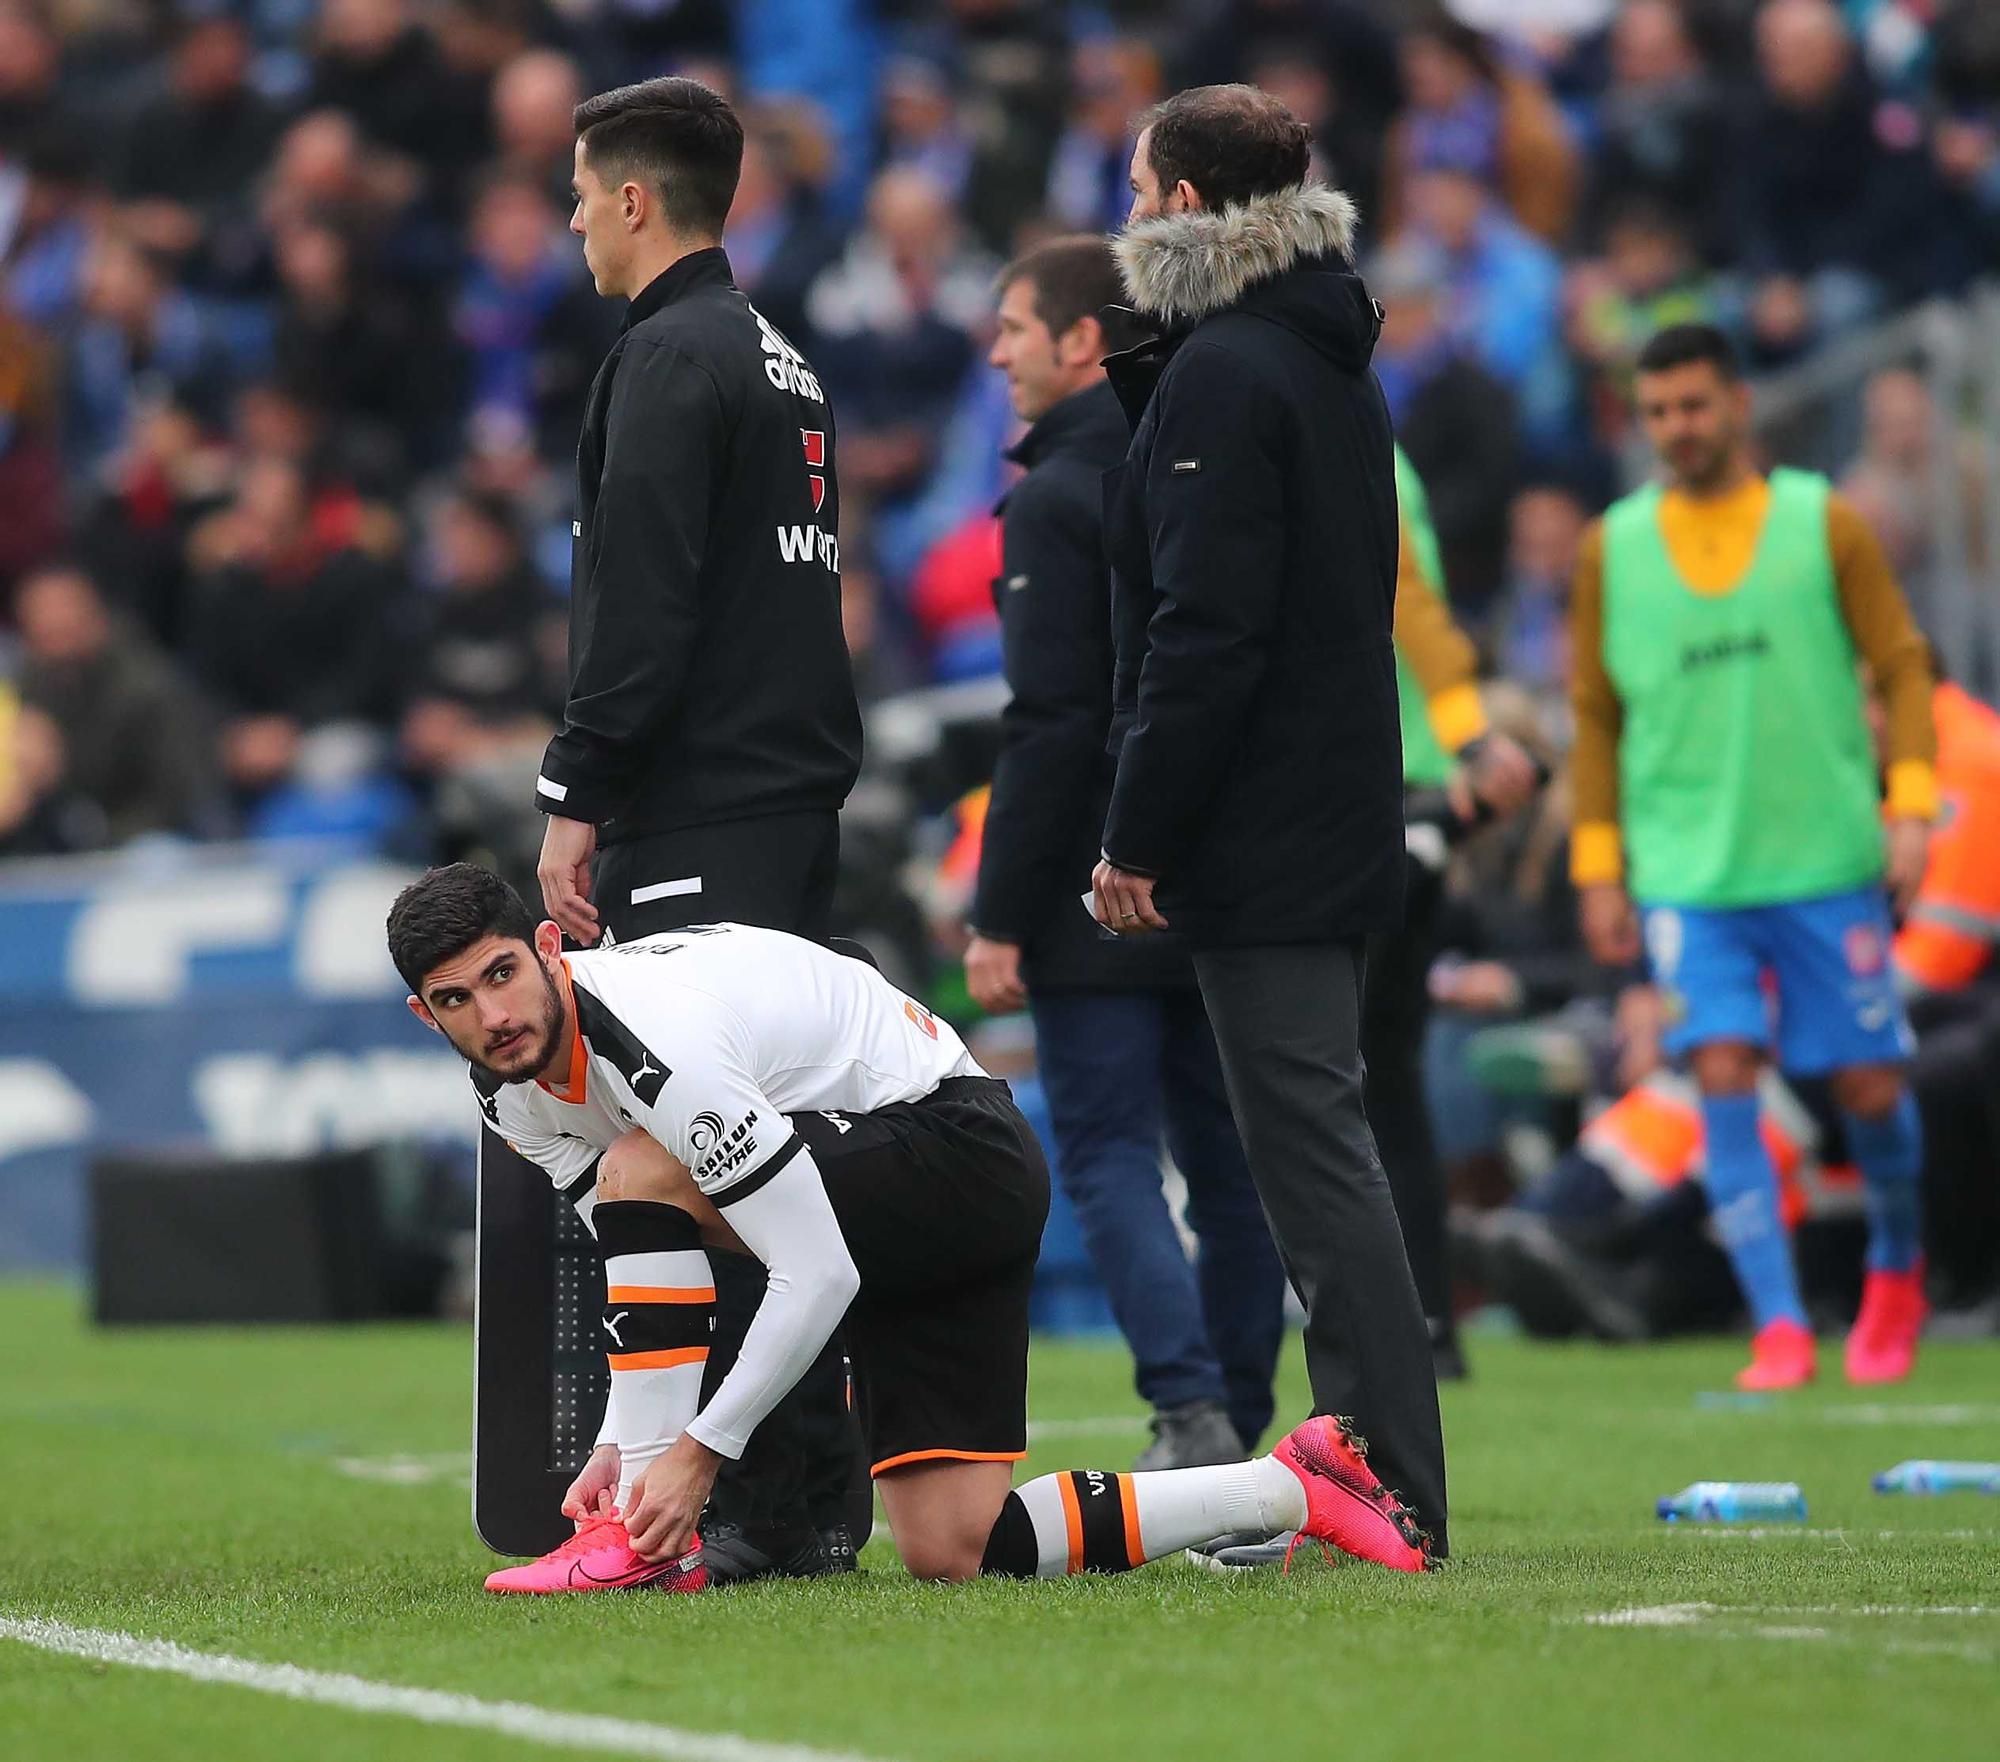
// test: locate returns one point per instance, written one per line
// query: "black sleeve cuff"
(757, 1177)
(562, 787)
(1129, 868)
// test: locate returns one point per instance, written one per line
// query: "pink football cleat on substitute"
(1345, 1504)
(1883, 1345)
(599, 1557)
(1782, 1356)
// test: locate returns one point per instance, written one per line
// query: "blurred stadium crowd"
(293, 347)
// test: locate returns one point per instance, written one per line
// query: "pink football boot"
(1345, 1504)
(599, 1557)
(1782, 1356)
(1883, 1346)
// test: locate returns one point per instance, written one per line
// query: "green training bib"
(1425, 762)
(1746, 775)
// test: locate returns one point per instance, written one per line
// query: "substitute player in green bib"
(1726, 782)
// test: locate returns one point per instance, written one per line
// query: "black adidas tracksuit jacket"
(709, 679)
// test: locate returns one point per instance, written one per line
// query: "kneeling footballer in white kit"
(729, 1089)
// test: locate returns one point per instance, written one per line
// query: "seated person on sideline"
(740, 1089)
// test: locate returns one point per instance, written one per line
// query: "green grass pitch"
(299, 1497)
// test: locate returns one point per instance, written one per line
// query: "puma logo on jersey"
(647, 1079)
(611, 1327)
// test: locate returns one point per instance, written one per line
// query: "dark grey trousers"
(1288, 1022)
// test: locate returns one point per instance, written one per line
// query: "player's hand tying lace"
(593, 1493)
(667, 1500)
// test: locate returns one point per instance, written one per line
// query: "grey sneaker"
(1194, 1436)
(1241, 1551)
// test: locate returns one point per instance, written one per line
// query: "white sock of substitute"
(659, 1311)
(1089, 1521)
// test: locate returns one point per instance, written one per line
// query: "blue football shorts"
(1811, 980)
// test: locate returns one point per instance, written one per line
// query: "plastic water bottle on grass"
(1939, 1477)
(1736, 1502)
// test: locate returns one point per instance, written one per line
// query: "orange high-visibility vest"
(1954, 924)
(1650, 1139)
(959, 866)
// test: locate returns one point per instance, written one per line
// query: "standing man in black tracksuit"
(1122, 1043)
(711, 731)
(1253, 541)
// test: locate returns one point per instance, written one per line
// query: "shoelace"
(587, 1538)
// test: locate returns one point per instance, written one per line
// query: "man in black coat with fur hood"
(1258, 806)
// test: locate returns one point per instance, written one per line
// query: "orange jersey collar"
(578, 1064)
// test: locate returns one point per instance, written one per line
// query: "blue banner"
(240, 1003)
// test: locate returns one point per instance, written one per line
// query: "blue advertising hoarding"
(235, 1000)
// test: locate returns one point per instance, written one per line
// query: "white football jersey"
(707, 1037)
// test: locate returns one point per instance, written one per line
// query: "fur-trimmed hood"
(1181, 267)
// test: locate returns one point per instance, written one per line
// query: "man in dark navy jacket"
(1122, 1043)
(1258, 804)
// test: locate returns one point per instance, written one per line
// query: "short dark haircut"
(1681, 345)
(444, 912)
(1074, 277)
(674, 135)
(1230, 142)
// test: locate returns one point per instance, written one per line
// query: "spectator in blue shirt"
(518, 273)
(139, 332)
(1505, 290)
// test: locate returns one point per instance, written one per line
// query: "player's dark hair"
(444, 912)
(1230, 142)
(1681, 345)
(1074, 277)
(675, 136)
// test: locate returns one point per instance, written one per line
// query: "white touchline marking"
(408, 1471)
(1041, 1429)
(357, 1694)
(1806, 1533)
(1887, 1413)
(1731, 1619)
(1659, 1615)
(1675, 1615)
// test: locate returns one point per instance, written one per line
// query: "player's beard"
(1701, 465)
(529, 1055)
